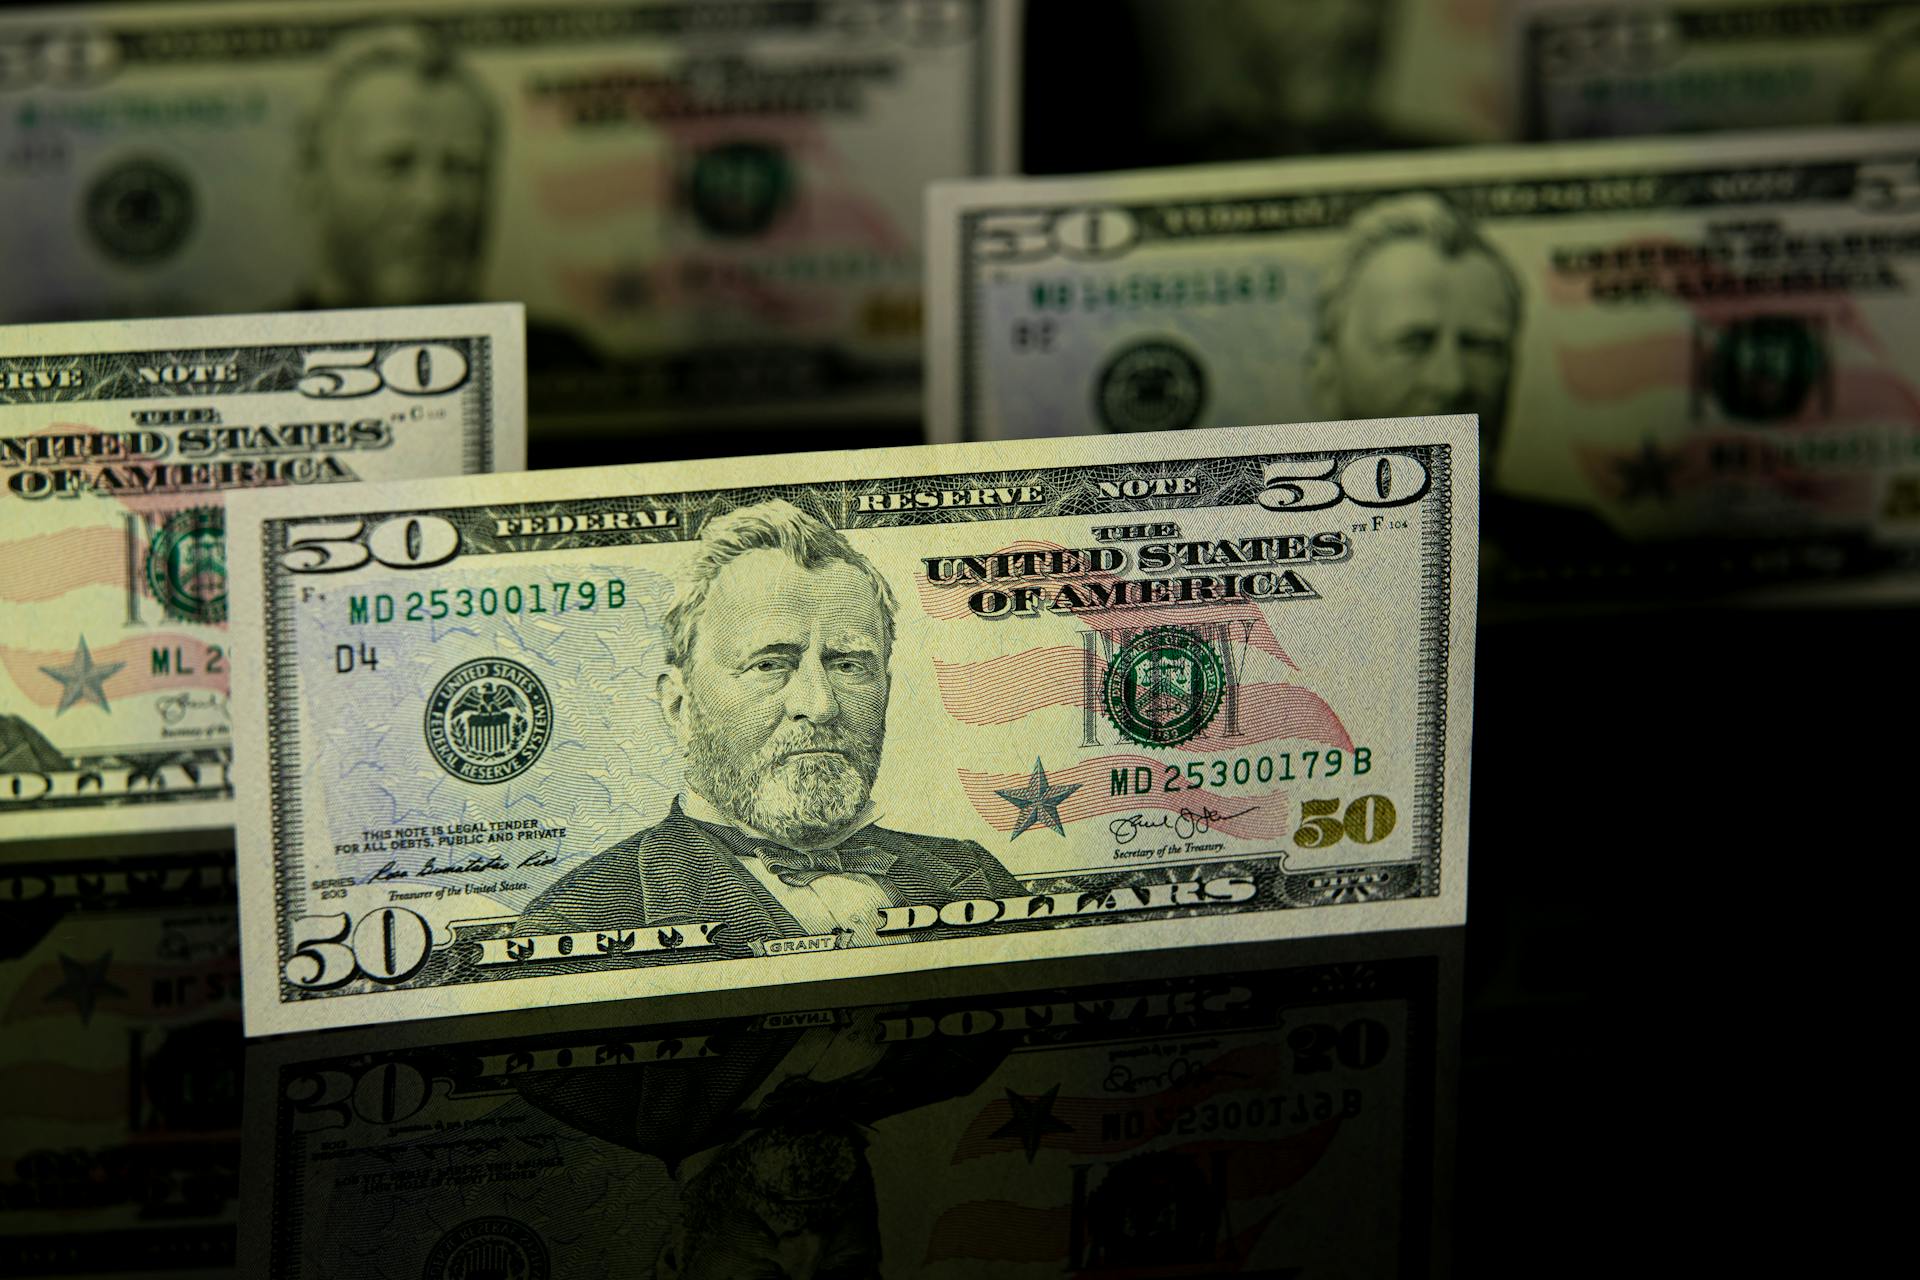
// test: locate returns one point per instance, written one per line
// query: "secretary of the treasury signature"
(174, 707)
(1186, 824)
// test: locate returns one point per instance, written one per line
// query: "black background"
(1680, 841)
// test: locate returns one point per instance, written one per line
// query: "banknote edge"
(491, 436)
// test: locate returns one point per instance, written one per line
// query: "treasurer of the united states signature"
(470, 865)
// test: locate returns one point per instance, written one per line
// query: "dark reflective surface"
(1261, 1111)
(120, 1065)
(1636, 858)
(1266, 1110)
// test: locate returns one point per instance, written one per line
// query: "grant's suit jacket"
(681, 872)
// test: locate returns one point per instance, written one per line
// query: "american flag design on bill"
(119, 444)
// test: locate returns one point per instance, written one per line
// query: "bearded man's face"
(1423, 332)
(786, 696)
(795, 1200)
(401, 188)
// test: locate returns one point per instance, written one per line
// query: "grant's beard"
(809, 1176)
(798, 800)
(800, 1168)
(424, 264)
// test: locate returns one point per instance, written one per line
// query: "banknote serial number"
(1241, 771)
(441, 603)
(1280, 1110)
(1315, 1048)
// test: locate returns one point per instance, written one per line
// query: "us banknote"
(1587, 70)
(119, 444)
(120, 1056)
(1240, 79)
(1286, 1117)
(543, 739)
(707, 206)
(1692, 361)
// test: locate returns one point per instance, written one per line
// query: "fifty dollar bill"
(1586, 70)
(1692, 360)
(1238, 78)
(711, 205)
(119, 443)
(537, 740)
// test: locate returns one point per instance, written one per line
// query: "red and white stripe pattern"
(1867, 388)
(1249, 1168)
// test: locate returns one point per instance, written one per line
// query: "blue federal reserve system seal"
(488, 720)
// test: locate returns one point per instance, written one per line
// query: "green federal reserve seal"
(738, 188)
(1765, 368)
(187, 565)
(1151, 386)
(488, 720)
(1164, 686)
(488, 1247)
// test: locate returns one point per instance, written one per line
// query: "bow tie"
(800, 868)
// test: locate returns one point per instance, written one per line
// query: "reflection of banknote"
(1239, 79)
(1692, 359)
(1588, 70)
(546, 739)
(1280, 1120)
(118, 445)
(120, 1058)
(702, 205)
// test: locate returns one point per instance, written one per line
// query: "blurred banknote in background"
(516, 741)
(1693, 361)
(704, 206)
(120, 1055)
(1271, 1121)
(119, 442)
(1243, 79)
(1587, 70)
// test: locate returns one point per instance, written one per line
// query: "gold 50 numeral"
(1367, 820)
